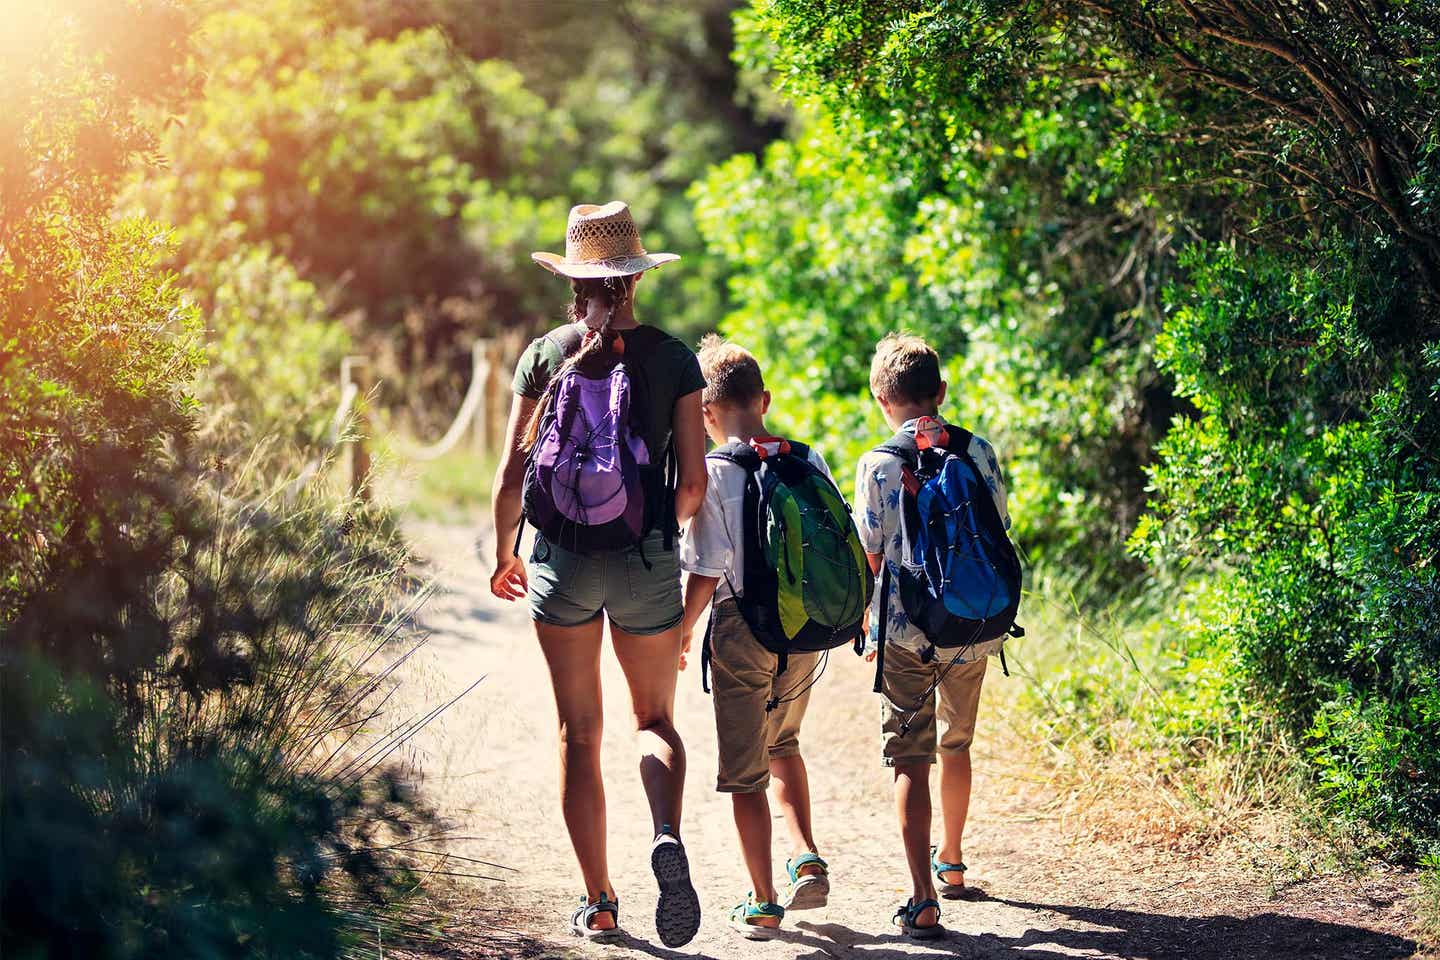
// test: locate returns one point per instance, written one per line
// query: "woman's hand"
(508, 582)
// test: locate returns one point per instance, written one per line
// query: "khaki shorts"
(955, 702)
(742, 680)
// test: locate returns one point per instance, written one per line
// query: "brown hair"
(732, 374)
(905, 369)
(613, 292)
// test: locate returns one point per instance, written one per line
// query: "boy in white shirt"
(756, 745)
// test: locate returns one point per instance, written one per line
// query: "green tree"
(1212, 209)
(407, 158)
(96, 341)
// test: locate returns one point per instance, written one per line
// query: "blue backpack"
(959, 579)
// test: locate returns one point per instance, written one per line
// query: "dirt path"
(1050, 885)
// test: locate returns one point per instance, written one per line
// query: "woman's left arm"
(688, 426)
(508, 582)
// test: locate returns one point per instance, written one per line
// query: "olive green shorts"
(568, 588)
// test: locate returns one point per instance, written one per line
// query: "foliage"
(1112, 213)
(182, 668)
(992, 245)
(175, 712)
(274, 348)
(402, 157)
(1311, 474)
(96, 342)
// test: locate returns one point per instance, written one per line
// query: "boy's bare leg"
(912, 803)
(792, 792)
(954, 808)
(752, 821)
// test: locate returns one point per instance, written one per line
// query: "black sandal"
(906, 916)
(580, 919)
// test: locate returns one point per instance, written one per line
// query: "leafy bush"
(1000, 257)
(1309, 474)
(96, 342)
(273, 348)
(1188, 260)
(183, 671)
(182, 717)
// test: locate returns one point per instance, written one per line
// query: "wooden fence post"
(356, 370)
(481, 369)
(504, 352)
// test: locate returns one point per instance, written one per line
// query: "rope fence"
(482, 413)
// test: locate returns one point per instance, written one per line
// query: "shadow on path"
(1124, 934)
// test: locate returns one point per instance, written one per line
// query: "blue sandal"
(951, 891)
(807, 891)
(743, 918)
(580, 919)
(905, 919)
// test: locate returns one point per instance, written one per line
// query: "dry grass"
(1123, 724)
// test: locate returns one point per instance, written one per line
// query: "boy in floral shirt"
(905, 380)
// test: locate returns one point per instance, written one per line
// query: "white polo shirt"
(714, 545)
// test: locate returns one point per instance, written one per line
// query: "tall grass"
(455, 485)
(1146, 724)
(198, 759)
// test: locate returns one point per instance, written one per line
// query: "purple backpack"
(590, 479)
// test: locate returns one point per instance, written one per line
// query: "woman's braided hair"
(613, 293)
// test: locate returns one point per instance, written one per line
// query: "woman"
(570, 582)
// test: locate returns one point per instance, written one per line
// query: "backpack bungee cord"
(579, 436)
(918, 535)
(817, 615)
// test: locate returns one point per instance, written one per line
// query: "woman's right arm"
(508, 582)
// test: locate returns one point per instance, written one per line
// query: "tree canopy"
(1181, 257)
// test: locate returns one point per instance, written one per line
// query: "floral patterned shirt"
(877, 510)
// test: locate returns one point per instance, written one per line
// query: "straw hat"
(601, 241)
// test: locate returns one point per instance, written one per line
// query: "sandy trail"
(1049, 887)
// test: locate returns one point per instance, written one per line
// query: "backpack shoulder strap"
(959, 440)
(902, 445)
(799, 450)
(568, 338)
(740, 454)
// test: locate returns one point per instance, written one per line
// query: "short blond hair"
(732, 374)
(905, 369)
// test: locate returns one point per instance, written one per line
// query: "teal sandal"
(905, 919)
(807, 891)
(580, 919)
(743, 917)
(951, 891)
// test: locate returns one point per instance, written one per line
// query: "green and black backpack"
(806, 582)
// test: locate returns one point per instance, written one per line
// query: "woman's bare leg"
(651, 664)
(573, 654)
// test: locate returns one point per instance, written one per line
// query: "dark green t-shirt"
(669, 368)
